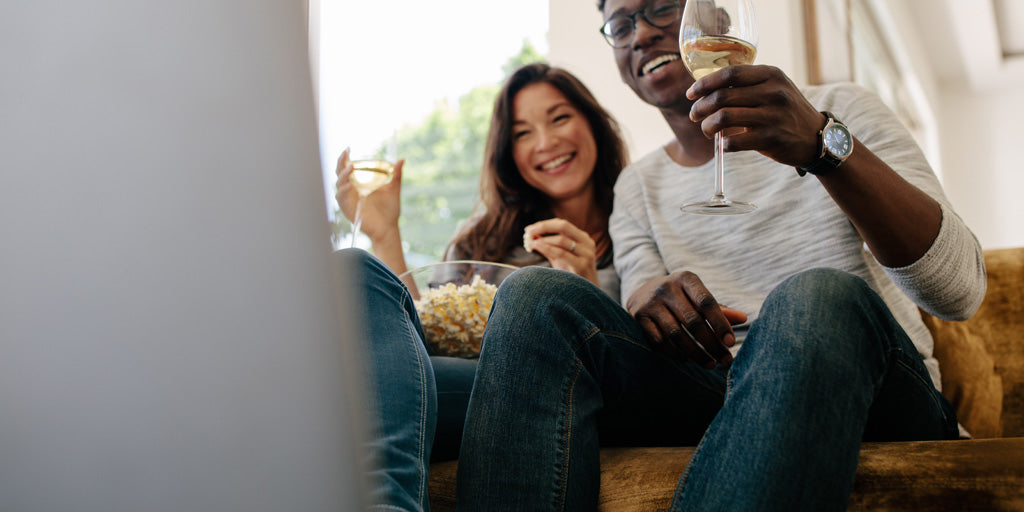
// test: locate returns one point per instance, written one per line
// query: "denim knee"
(536, 286)
(370, 271)
(522, 280)
(361, 261)
(532, 303)
(823, 284)
(825, 315)
(353, 256)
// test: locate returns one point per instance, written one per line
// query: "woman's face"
(552, 144)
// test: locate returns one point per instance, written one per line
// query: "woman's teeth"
(556, 162)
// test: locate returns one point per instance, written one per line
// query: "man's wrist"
(835, 144)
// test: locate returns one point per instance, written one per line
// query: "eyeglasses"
(619, 30)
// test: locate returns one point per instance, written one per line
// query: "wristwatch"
(836, 145)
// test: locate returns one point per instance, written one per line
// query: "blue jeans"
(564, 370)
(417, 403)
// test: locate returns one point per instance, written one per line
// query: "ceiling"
(976, 44)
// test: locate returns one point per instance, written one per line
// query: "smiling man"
(821, 347)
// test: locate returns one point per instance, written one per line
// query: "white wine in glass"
(706, 55)
(367, 176)
(715, 34)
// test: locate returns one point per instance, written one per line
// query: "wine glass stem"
(358, 220)
(719, 168)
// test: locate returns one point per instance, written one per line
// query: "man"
(823, 283)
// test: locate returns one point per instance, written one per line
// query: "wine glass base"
(718, 207)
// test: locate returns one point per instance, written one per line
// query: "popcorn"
(454, 316)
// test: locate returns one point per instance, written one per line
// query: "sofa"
(982, 362)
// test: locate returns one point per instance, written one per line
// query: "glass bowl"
(453, 300)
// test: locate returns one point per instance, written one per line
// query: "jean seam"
(678, 494)
(567, 440)
(422, 433)
(617, 335)
(696, 450)
(927, 384)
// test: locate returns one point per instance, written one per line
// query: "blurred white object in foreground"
(171, 337)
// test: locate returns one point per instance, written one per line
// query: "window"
(869, 54)
(425, 75)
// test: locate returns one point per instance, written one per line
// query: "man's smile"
(657, 62)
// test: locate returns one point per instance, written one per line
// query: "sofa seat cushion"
(918, 476)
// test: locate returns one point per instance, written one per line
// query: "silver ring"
(572, 248)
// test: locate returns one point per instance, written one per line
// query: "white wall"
(981, 146)
(977, 136)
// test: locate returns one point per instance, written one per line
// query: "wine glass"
(715, 34)
(368, 174)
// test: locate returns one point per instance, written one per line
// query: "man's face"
(650, 64)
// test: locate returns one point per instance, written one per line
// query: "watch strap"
(826, 161)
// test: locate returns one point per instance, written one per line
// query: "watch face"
(838, 141)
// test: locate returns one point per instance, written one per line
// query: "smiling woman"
(547, 125)
(386, 71)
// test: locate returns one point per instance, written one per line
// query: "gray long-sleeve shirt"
(796, 227)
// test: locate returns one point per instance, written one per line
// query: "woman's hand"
(566, 246)
(683, 320)
(381, 208)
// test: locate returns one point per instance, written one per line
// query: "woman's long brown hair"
(507, 203)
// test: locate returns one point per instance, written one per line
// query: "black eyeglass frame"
(608, 37)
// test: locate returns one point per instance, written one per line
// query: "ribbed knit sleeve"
(949, 280)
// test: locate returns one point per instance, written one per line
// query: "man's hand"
(682, 319)
(776, 118)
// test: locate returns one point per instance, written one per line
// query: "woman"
(551, 160)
